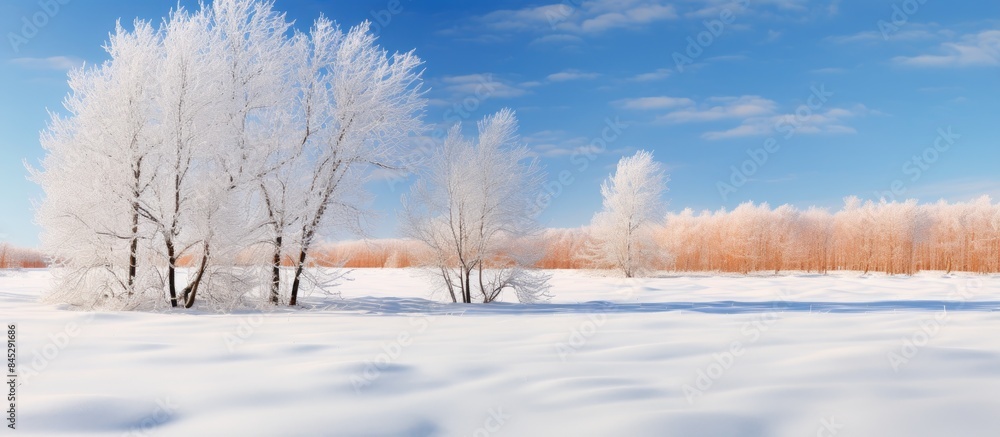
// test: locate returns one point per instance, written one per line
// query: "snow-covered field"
(676, 355)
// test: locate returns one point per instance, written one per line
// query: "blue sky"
(779, 101)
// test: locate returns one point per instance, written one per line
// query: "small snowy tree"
(623, 232)
(472, 207)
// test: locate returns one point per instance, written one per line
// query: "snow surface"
(787, 355)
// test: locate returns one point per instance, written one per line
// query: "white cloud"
(637, 15)
(482, 86)
(713, 8)
(553, 143)
(756, 116)
(658, 74)
(720, 108)
(558, 143)
(727, 58)
(982, 49)
(559, 38)
(568, 75)
(831, 121)
(660, 102)
(62, 63)
(566, 19)
(829, 70)
(911, 32)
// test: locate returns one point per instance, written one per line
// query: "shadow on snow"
(405, 306)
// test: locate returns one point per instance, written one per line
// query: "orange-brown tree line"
(887, 237)
(19, 258)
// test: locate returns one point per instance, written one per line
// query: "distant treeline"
(19, 258)
(887, 237)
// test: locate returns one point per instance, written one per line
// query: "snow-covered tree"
(367, 107)
(200, 140)
(100, 167)
(472, 207)
(623, 231)
(186, 100)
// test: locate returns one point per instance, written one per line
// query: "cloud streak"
(59, 63)
(981, 49)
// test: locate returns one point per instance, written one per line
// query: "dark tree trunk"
(298, 274)
(468, 286)
(133, 248)
(191, 291)
(172, 273)
(276, 272)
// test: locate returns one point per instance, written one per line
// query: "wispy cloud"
(558, 143)
(484, 86)
(830, 121)
(956, 190)
(565, 22)
(756, 116)
(829, 70)
(60, 63)
(765, 8)
(906, 35)
(554, 143)
(721, 108)
(658, 102)
(559, 38)
(658, 74)
(981, 49)
(571, 74)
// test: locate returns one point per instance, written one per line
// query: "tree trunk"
(276, 272)
(191, 291)
(468, 285)
(298, 274)
(451, 286)
(134, 244)
(133, 248)
(172, 273)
